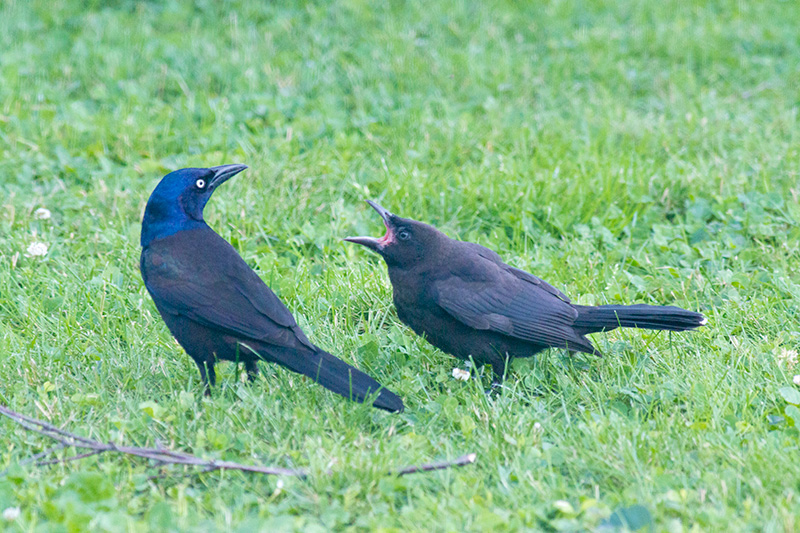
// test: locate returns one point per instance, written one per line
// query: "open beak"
(371, 242)
(382, 211)
(223, 173)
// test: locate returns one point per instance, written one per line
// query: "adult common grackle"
(467, 302)
(216, 306)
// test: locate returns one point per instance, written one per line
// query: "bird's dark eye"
(200, 183)
(403, 235)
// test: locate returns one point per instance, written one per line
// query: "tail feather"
(607, 317)
(341, 378)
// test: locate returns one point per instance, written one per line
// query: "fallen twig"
(45, 453)
(163, 456)
(464, 460)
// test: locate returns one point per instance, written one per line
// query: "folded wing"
(500, 298)
(225, 294)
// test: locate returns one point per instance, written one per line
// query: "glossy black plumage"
(216, 306)
(467, 302)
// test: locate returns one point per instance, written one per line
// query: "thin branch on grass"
(163, 456)
(68, 459)
(464, 460)
(39, 455)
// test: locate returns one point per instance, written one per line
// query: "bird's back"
(199, 275)
(469, 303)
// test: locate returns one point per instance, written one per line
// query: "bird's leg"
(207, 374)
(212, 376)
(499, 369)
(252, 370)
(496, 386)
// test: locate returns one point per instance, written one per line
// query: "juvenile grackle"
(467, 302)
(216, 306)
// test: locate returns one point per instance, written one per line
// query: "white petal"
(460, 374)
(37, 249)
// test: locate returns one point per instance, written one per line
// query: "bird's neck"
(164, 220)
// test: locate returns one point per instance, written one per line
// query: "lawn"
(627, 152)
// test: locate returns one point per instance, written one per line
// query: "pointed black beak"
(223, 173)
(383, 212)
(371, 242)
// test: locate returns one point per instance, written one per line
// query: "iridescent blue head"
(177, 202)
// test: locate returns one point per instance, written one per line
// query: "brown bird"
(467, 302)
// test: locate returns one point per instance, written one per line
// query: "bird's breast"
(153, 262)
(410, 289)
(164, 262)
(156, 260)
(415, 303)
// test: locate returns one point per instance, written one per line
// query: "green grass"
(624, 151)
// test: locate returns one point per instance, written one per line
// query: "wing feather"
(223, 293)
(491, 295)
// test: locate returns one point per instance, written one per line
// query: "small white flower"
(537, 426)
(564, 506)
(788, 357)
(11, 514)
(460, 374)
(42, 213)
(37, 249)
(796, 379)
(278, 488)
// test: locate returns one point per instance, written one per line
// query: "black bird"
(216, 306)
(467, 302)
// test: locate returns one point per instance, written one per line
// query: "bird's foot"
(494, 389)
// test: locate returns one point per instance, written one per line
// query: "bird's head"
(178, 200)
(406, 242)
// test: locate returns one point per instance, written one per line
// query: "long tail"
(341, 378)
(607, 317)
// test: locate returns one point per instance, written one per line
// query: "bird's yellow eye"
(200, 183)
